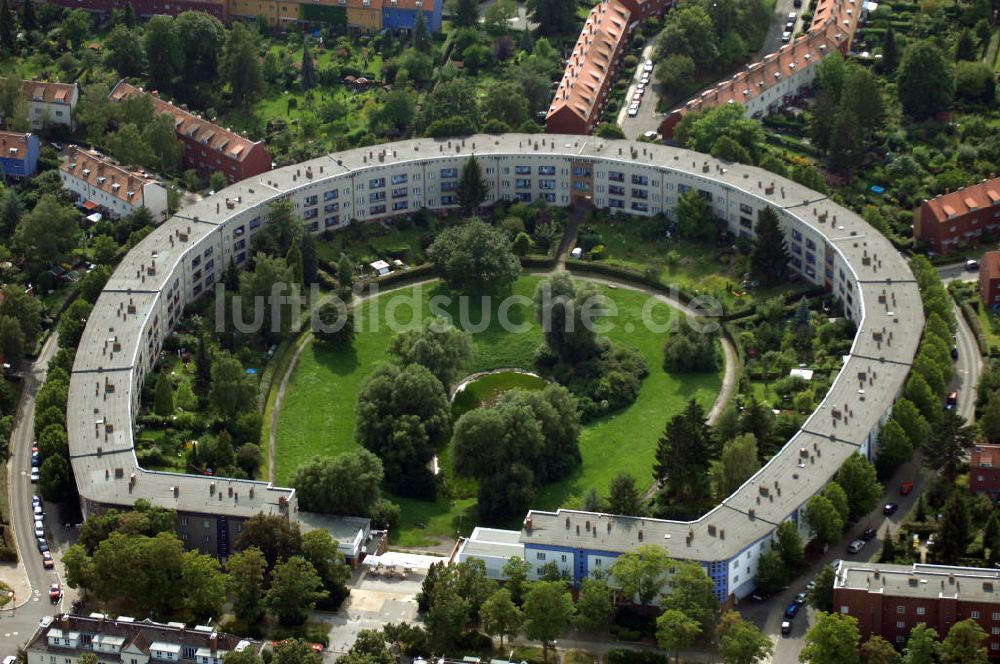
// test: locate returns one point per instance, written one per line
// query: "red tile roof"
(104, 174)
(191, 126)
(50, 92)
(982, 195)
(13, 145)
(592, 61)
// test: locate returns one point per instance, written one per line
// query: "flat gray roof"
(892, 317)
(970, 584)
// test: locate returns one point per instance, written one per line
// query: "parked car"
(636, 97)
(797, 3)
(800, 599)
(905, 488)
(792, 610)
(47, 561)
(39, 528)
(10, 659)
(641, 88)
(786, 627)
(890, 509)
(37, 511)
(648, 66)
(868, 535)
(36, 460)
(652, 135)
(760, 596)
(43, 546)
(951, 401)
(34, 476)
(644, 78)
(55, 592)
(786, 37)
(954, 352)
(633, 111)
(792, 16)
(855, 546)
(971, 265)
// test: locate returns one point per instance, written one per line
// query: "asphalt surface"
(969, 364)
(18, 623)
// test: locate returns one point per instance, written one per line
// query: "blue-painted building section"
(577, 562)
(18, 155)
(397, 18)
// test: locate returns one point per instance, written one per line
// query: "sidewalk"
(16, 576)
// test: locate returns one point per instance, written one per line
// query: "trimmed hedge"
(398, 278)
(628, 656)
(975, 325)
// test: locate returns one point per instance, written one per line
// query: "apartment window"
(377, 209)
(921, 611)
(996, 615)
(449, 173)
(209, 265)
(581, 171)
(523, 197)
(546, 184)
(616, 176)
(449, 186)
(399, 192)
(330, 195)
(810, 244)
(254, 223)
(447, 200)
(580, 185)
(797, 236)
(522, 183)
(746, 223)
(546, 170)
(238, 231)
(564, 557)
(400, 205)
(522, 170)
(399, 179)
(331, 207)
(239, 245)
(616, 189)
(640, 193)
(746, 209)
(332, 221)
(196, 261)
(974, 615)
(376, 196)
(995, 630)
(539, 556)
(375, 183)
(311, 200)
(640, 207)
(208, 252)
(640, 179)
(995, 646)
(900, 609)
(616, 203)
(184, 521)
(310, 214)
(551, 198)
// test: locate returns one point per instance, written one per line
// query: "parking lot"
(638, 117)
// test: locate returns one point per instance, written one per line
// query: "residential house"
(958, 217)
(99, 184)
(51, 103)
(984, 470)
(18, 155)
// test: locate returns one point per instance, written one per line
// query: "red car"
(905, 488)
(47, 561)
(55, 592)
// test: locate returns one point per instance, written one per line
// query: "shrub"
(627, 656)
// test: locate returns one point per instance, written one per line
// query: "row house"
(958, 217)
(98, 183)
(18, 155)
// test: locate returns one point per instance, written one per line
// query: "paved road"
(17, 624)
(970, 363)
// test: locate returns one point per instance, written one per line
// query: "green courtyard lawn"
(697, 267)
(365, 243)
(318, 411)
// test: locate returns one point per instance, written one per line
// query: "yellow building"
(277, 12)
(364, 15)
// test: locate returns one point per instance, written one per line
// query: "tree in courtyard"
(833, 639)
(640, 575)
(11, 339)
(682, 456)
(894, 449)
(771, 572)
(567, 311)
(47, 233)
(162, 46)
(202, 37)
(439, 346)
(946, 450)
(274, 535)
(954, 530)
(295, 589)
(877, 650)
(838, 498)
(28, 17)
(76, 26)
(500, 616)
(347, 484)
(334, 324)
(921, 645)
(421, 34)
(925, 80)
(695, 220)
(769, 256)
(735, 464)
(232, 391)
(594, 606)
(691, 591)
(246, 583)
(307, 73)
(890, 51)
(790, 545)
(464, 13)
(320, 549)
(475, 257)
(472, 186)
(404, 417)
(548, 611)
(740, 641)
(295, 651)
(965, 644)
(515, 574)
(675, 631)
(345, 271)
(241, 65)
(824, 519)
(857, 477)
(123, 50)
(163, 404)
(554, 17)
(623, 496)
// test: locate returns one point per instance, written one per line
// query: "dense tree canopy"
(474, 257)
(347, 484)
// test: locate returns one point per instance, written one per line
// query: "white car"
(651, 135)
(792, 16)
(39, 529)
(648, 66)
(34, 476)
(641, 88)
(637, 97)
(786, 37)
(37, 510)
(633, 111)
